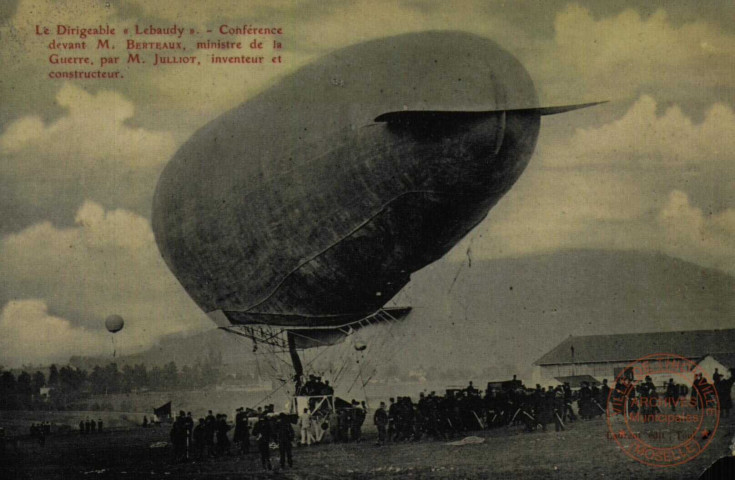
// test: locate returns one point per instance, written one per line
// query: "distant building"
(44, 393)
(605, 356)
(723, 362)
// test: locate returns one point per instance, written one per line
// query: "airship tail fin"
(408, 116)
(566, 108)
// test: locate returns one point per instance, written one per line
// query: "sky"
(651, 170)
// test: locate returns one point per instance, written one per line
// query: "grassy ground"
(583, 451)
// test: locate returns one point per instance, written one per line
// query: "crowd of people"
(39, 431)
(435, 416)
(208, 438)
(432, 416)
(643, 398)
(463, 410)
(90, 426)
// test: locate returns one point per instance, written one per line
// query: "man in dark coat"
(189, 423)
(285, 440)
(604, 392)
(356, 420)
(198, 436)
(242, 431)
(724, 388)
(672, 394)
(210, 427)
(223, 443)
(380, 419)
(262, 432)
(695, 399)
(178, 438)
(392, 420)
(585, 399)
(545, 412)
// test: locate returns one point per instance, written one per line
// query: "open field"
(583, 451)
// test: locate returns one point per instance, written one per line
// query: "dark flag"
(164, 411)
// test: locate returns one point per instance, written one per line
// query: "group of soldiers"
(209, 437)
(512, 403)
(90, 426)
(39, 431)
(462, 410)
(643, 397)
(345, 423)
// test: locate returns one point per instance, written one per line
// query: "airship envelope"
(312, 203)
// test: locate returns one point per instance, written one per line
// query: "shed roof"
(693, 344)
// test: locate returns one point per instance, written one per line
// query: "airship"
(309, 206)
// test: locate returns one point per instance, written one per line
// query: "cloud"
(93, 132)
(644, 181)
(688, 233)
(550, 209)
(90, 152)
(557, 222)
(643, 138)
(619, 55)
(107, 263)
(29, 334)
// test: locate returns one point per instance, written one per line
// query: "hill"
(496, 317)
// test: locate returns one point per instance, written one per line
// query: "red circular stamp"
(663, 411)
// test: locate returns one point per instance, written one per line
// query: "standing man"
(392, 419)
(361, 414)
(380, 419)
(568, 399)
(694, 399)
(242, 431)
(585, 398)
(262, 432)
(356, 420)
(672, 394)
(223, 443)
(285, 437)
(724, 388)
(305, 427)
(189, 423)
(178, 438)
(199, 441)
(210, 427)
(604, 392)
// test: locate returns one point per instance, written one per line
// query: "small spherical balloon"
(114, 323)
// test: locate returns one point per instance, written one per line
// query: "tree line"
(61, 387)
